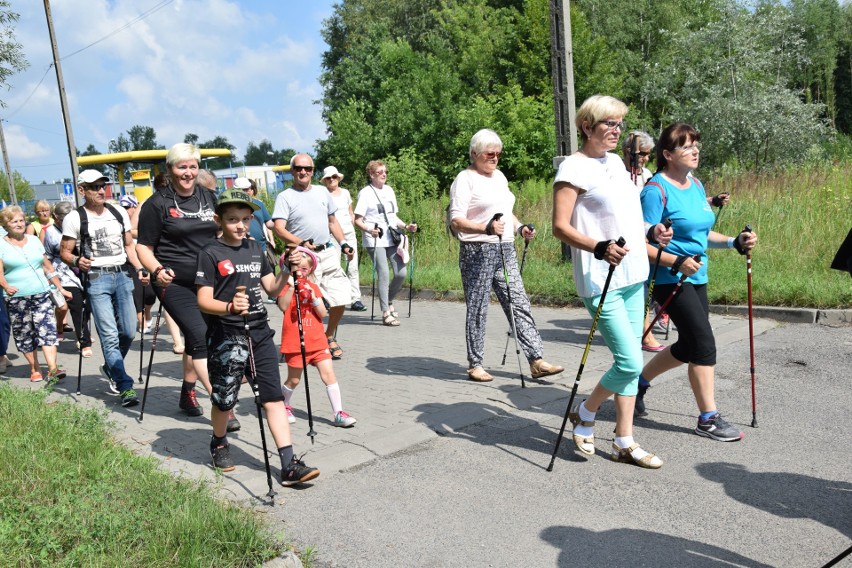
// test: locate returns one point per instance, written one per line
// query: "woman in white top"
(477, 195)
(594, 203)
(376, 214)
(331, 179)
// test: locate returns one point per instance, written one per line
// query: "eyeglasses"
(491, 155)
(95, 186)
(643, 154)
(380, 173)
(696, 147)
(613, 124)
(303, 168)
(333, 177)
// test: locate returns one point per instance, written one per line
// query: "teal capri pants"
(620, 324)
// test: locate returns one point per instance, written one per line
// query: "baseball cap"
(242, 183)
(236, 196)
(90, 176)
(128, 201)
(331, 171)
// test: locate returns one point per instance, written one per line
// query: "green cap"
(236, 196)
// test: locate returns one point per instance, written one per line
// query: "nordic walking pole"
(667, 223)
(678, 286)
(84, 322)
(153, 348)
(375, 268)
(252, 380)
(142, 336)
(298, 299)
(411, 269)
(620, 242)
(751, 334)
(523, 261)
(509, 299)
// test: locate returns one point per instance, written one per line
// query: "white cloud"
(21, 147)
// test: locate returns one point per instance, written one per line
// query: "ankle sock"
(216, 442)
(334, 397)
(704, 416)
(286, 455)
(624, 442)
(643, 382)
(288, 394)
(585, 416)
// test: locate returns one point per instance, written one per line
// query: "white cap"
(242, 183)
(330, 171)
(90, 176)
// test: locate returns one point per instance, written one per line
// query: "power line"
(23, 104)
(32, 127)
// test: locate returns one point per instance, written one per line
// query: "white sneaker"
(290, 418)
(343, 420)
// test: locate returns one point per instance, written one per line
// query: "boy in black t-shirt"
(232, 261)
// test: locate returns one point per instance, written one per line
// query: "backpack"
(86, 239)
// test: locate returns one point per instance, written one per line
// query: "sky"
(243, 69)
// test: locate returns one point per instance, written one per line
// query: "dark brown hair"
(674, 135)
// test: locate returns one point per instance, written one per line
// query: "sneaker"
(358, 306)
(233, 423)
(717, 428)
(639, 409)
(222, 458)
(54, 375)
(129, 398)
(297, 472)
(343, 420)
(290, 417)
(189, 404)
(113, 389)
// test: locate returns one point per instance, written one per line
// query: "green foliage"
(70, 496)
(23, 189)
(264, 153)
(11, 55)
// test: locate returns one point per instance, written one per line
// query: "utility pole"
(9, 177)
(72, 149)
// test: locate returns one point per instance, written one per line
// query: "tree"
(11, 55)
(219, 163)
(143, 138)
(264, 153)
(23, 189)
(190, 138)
(90, 151)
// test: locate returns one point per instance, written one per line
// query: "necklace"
(188, 214)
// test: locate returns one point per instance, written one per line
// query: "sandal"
(479, 375)
(86, 352)
(585, 444)
(390, 320)
(625, 455)
(334, 348)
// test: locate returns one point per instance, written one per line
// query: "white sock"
(288, 394)
(333, 392)
(627, 441)
(585, 416)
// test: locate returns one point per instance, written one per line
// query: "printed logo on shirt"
(226, 267)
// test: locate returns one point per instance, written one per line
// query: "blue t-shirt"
(692, 218)
(261, 216)
(22, 266)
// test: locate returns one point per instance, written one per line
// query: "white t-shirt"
(107, 235)
(368, 208)
(478, 198)
(608, 208)
(343, 200)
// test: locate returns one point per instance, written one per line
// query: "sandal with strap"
(479, 375)
(585, 444)
(389, 320)
(334, 348)
(625, 455)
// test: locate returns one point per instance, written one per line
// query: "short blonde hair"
(485, 138)
(181, 152)
(9, 213)
(41, 203)
(597, 108)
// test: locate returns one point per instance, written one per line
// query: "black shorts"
(142, 295)
(690, 311)
(181, 301)
(227, 362)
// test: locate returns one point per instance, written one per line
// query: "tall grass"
(801, 216)
(70, 496)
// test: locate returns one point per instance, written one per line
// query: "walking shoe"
(297, 472)
(717, 428)
(189, 404)
(129, 398)
(290, 417)
(343, 420)
(222, 458)
(541, 368)
(113, 389)
(56, 374)
(639, 409)
(35, 377)
(233, 423)
(358, 306)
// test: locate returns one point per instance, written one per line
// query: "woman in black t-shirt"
(174, 225)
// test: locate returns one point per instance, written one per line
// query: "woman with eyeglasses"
(43, 219)
(174, 225)
(675, 193)
(482, 218)
(376, 214)
(594, 204)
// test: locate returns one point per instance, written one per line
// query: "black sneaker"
(233, 423)
(717, 428)
(189, 404)
(297, 472)
(129, 398)
(358, 306)
(222, 458)
(639, 409)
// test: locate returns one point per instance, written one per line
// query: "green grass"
(71, 496)
(801, 216)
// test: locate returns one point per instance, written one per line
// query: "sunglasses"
(491, 155)
(303, 168)
(333, 177)
(95, 186)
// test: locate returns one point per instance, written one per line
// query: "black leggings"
(181, 301)
(689, 310)
(75, 307)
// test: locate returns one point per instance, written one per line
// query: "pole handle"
(242, 290)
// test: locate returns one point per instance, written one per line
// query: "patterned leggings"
(481, 271)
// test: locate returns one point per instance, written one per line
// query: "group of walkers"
(210, 260)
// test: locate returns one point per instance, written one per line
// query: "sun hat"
(330, 171)
(128, 201)
(242, 183)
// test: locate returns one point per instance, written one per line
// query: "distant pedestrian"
(43, 220)
(331, 179)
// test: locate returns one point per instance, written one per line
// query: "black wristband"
(677, 263)
(718, 200)
(738, 245)
(346, 248)
(650, 235)
(600, 248)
